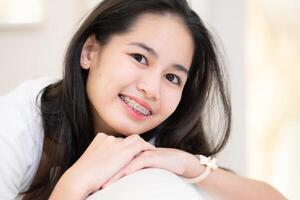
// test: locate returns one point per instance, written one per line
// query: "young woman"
(135, 71)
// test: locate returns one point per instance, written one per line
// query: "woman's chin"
(125, 133)
(126, 129)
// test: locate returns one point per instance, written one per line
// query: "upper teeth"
(135, 105)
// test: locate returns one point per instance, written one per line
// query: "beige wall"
(37, 50)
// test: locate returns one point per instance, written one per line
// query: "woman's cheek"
(171, 102)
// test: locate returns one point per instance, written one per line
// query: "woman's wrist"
(194, 167)
(69, 188)
(205, 165)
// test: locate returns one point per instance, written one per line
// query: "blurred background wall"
(260, 42)
(30, 50)
(273, 93)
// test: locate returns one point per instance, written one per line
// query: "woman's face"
(135, 81)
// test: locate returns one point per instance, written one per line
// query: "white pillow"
(150, 183)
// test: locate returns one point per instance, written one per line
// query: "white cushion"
(150, 183)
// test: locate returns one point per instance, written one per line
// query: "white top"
(21, 137)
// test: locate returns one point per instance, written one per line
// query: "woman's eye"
(140, 58)
(173, 78)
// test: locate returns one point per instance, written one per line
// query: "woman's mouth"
(137, 110)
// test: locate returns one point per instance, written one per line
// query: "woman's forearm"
(67, 188)
(226, 185)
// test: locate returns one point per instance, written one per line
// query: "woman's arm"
(220, 183)
(105, 156)
(227, 185)
(224, 184)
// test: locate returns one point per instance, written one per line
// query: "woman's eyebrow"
(181, 68)
(152, 51)
(145, 47)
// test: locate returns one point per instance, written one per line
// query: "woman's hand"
(174, 160)
(105, 156)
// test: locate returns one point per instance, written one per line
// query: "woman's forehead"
(166, 35)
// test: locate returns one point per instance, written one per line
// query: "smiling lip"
(141, 102)
(132, 113)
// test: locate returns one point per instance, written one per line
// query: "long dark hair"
(65, 110)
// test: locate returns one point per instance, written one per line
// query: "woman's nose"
(150, 89)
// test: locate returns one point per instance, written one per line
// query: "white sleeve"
(15, 151)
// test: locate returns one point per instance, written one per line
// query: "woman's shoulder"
(21, 136)
(20, 107)
(27, 90)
